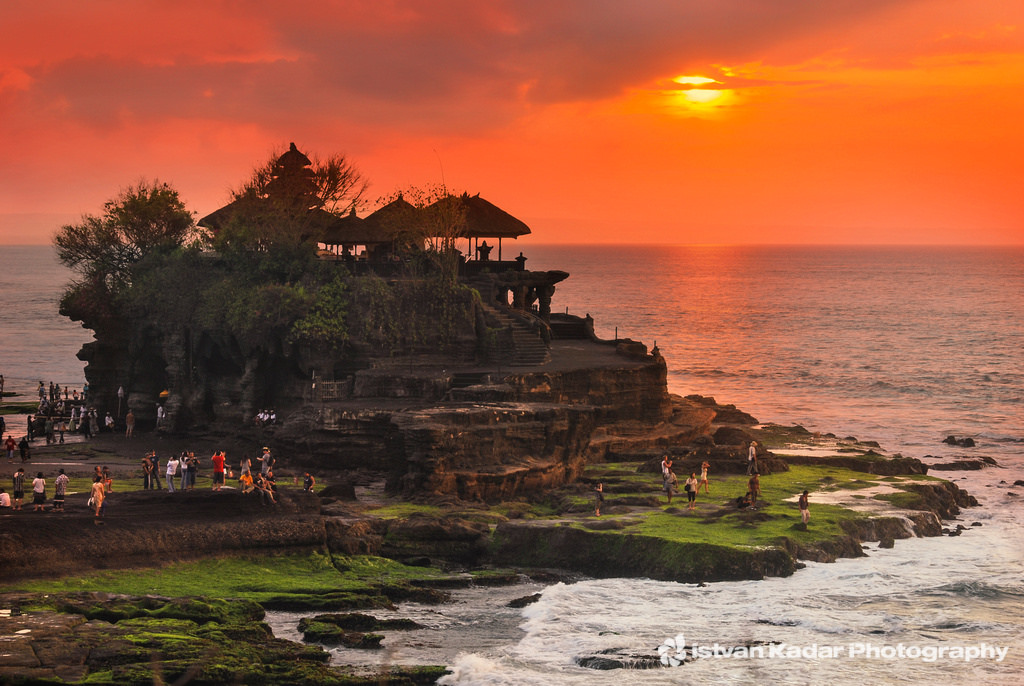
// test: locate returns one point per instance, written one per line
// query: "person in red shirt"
(218, 469)
(10, 446)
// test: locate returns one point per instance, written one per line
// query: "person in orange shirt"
(218, 470)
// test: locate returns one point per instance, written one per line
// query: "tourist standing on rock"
(25, 449)
(10, 446)
(38, 492)
(218, 470)
(97, 495)
(598, 499)
(704, 476)
(752, 458)
(129, 424)
(670, 484)
(147, 473)
(183, 462)
(161, 413)
(193, 470)
(108, 422)
(267, 460)
(691, 491)
(107, 479)
(18, 492)
(172, 469)
(805, 512)
(60, 488)
(666, 466)
(48, 428)
(755, 488)
(308, 482)
(156, 470)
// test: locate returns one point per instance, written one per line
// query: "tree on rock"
(145, 218)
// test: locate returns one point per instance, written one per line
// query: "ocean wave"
(1000, 438)
(971, 589)
(707, 373)
(470, 668)
(961, 626)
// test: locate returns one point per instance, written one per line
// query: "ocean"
(902, 345)
(36, 343)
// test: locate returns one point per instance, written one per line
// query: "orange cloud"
(878, 120)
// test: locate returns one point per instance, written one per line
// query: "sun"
(699, 99)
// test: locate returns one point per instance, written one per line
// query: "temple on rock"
(380, 242)
(436, 364)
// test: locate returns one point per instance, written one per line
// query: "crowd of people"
(693, 484)
(265, 418)
(182, 469)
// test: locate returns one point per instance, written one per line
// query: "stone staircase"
(521, 346)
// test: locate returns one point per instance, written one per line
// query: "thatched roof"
(315, 222)
(352, 230)
(482, 218)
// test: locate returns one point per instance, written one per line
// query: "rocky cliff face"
(493, 441)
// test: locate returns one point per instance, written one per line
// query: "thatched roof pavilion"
(481, 219)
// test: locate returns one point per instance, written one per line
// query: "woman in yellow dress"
(99, 492)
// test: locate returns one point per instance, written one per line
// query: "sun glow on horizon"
(695, 100)
(693, 80)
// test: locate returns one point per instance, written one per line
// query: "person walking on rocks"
(752, 458)
(18, 492)
(218, 470)
(598, 499)
(10, 446)
(38, 492)
(805, 512)
(245, 469)
(755, 488)
(60, 488)
(267, 460)
(670, 484)
(704, 476)
(147, 473)
(193, 470)
(183, 462)
(691, 491)
(156, 470)
(172, 469)
(97, 495)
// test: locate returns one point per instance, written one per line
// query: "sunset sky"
(655, 121)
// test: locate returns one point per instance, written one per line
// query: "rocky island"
(456, 426)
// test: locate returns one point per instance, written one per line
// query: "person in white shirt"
(172, 469)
